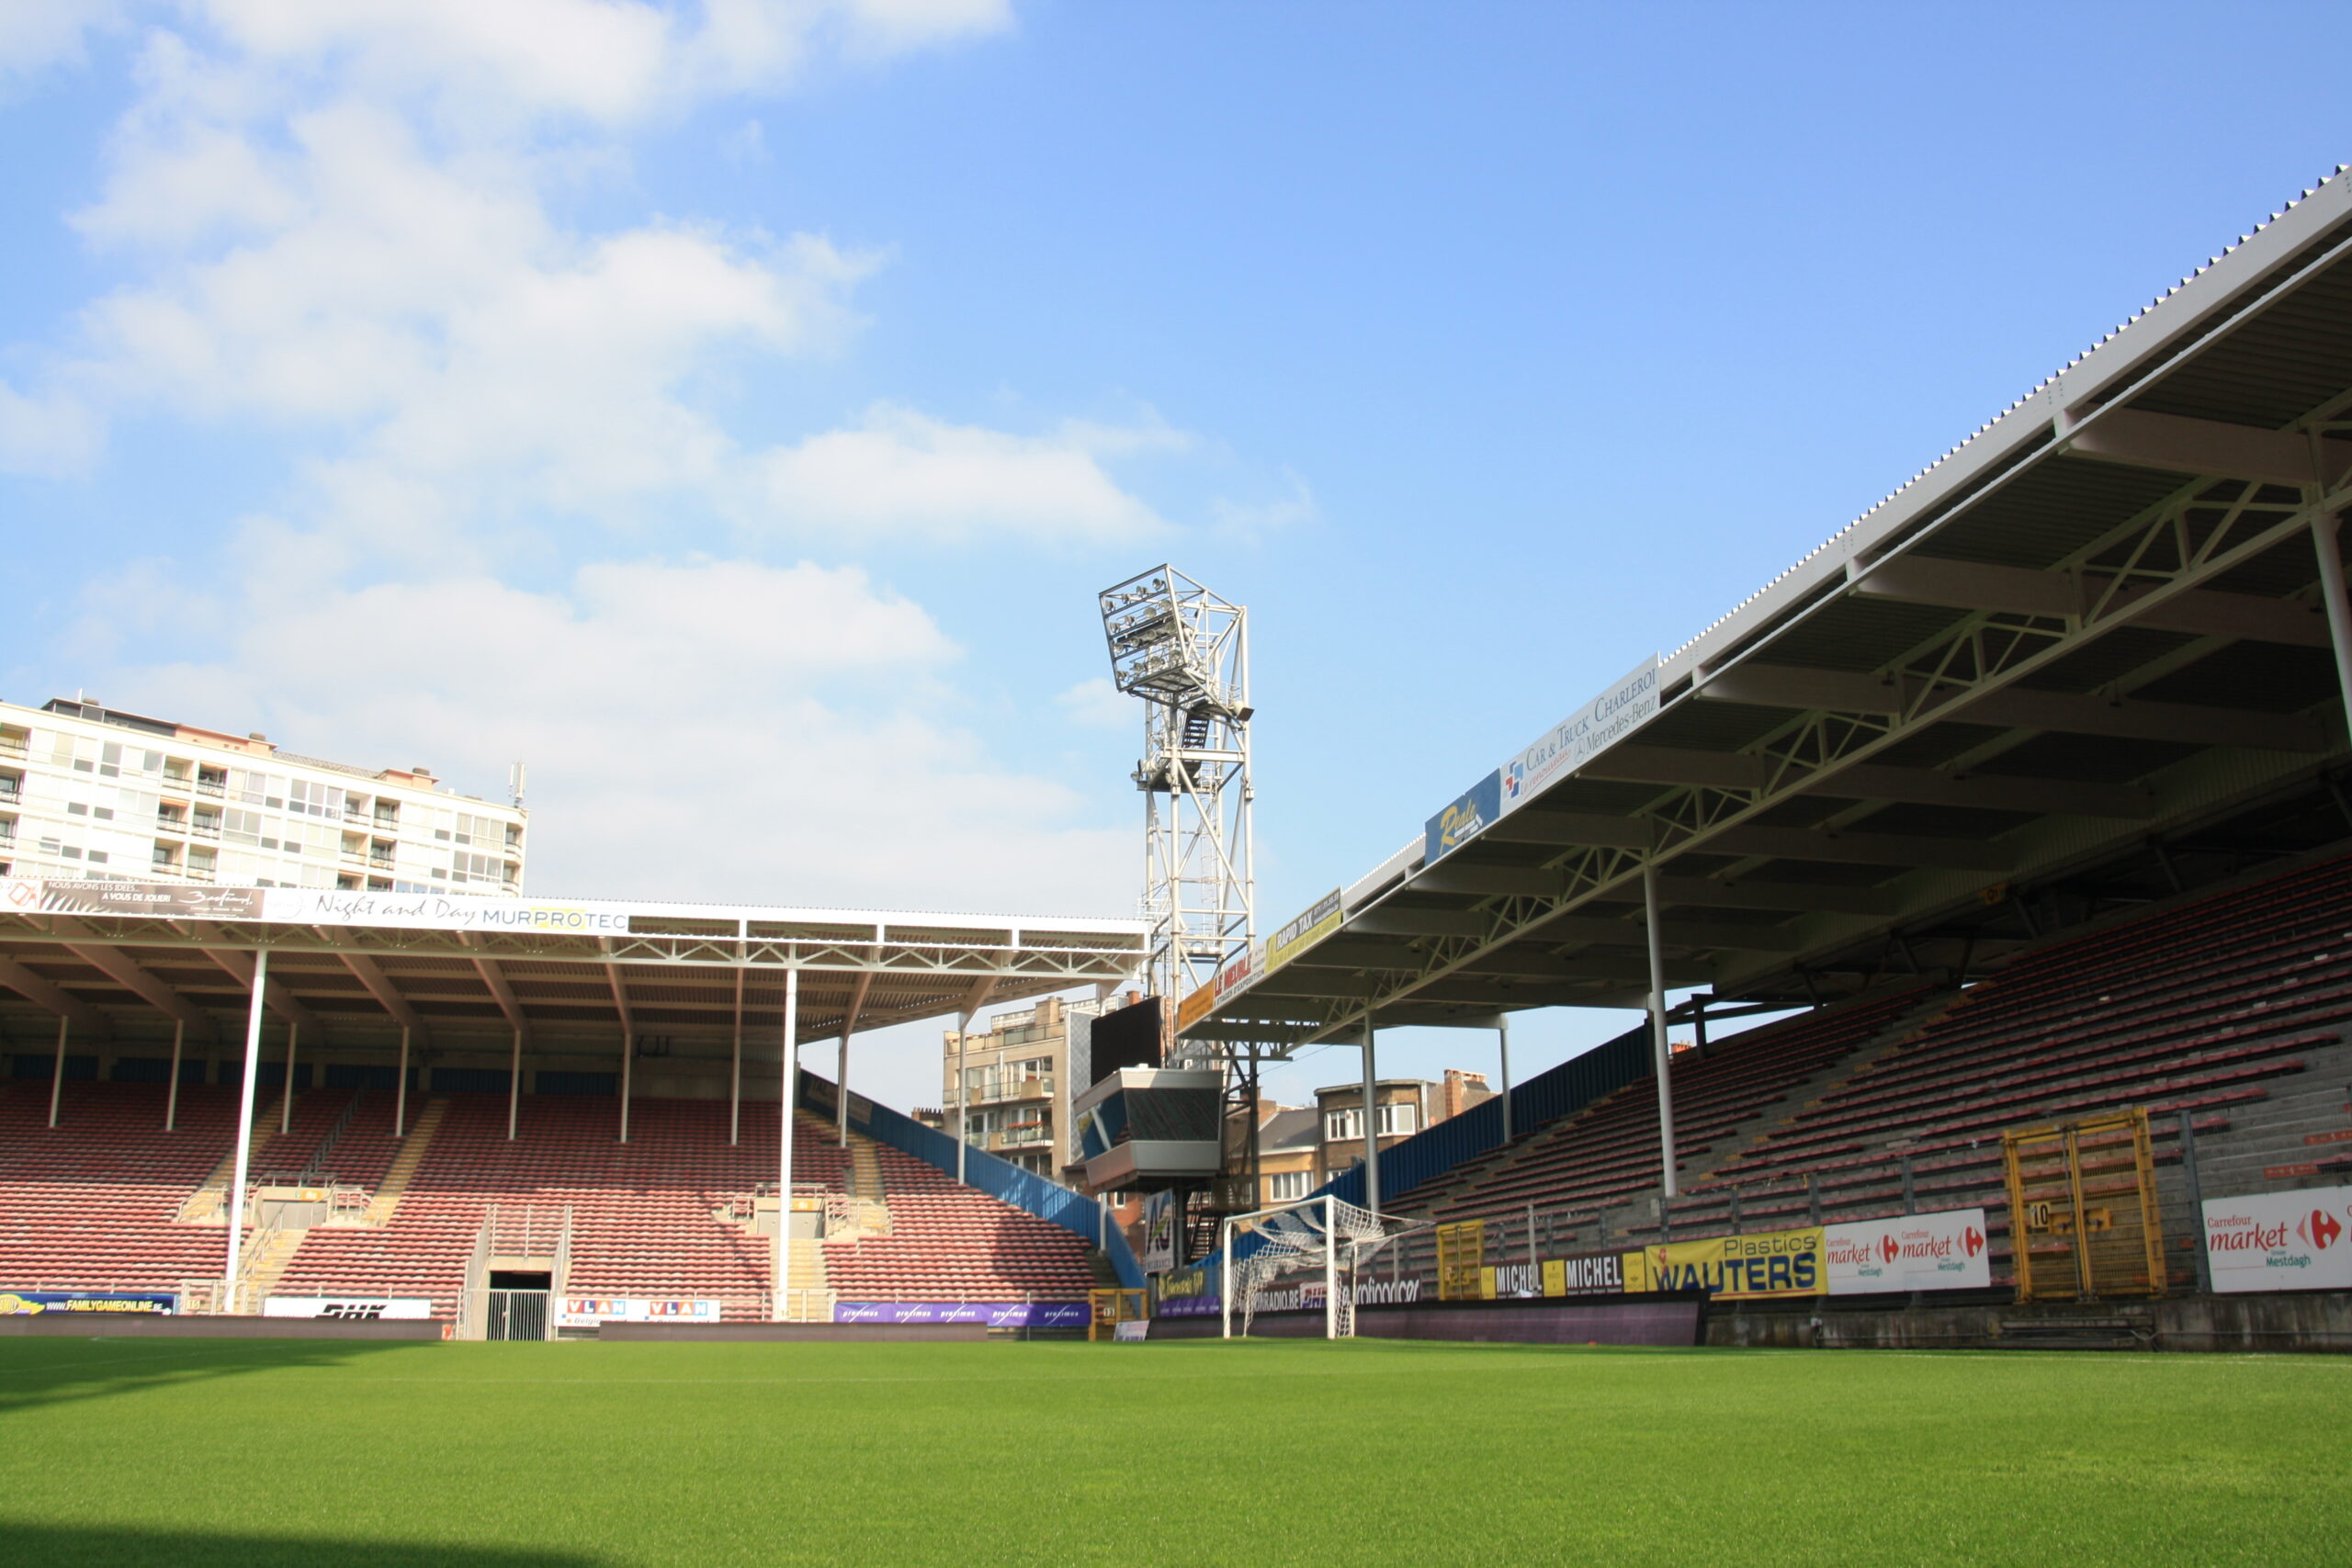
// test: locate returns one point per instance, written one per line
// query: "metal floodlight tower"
(1186, 653)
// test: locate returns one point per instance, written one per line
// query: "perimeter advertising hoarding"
(1943, 1251)
(1463, 820)
(350, 1309)
(1734, 1268)
(2281, 1241)
(587, 1312)
(1624, 707)
(995, 1314)
(22, 1304)
(1324, 917)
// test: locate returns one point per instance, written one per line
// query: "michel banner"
(1734, 1268)
(1624, 707)
(2281, 1241)
(1464, 820)
(21, 1303)
(1943, 1251)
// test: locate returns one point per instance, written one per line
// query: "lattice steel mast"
(1186, 653)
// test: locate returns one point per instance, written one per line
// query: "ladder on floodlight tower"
(1185, 652)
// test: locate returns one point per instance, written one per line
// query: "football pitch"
(1193, 1453)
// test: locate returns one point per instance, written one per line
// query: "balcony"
(202, 830)
(207, 786)
(10, 790)
(12, 745)
(170, 824)
(162, 860)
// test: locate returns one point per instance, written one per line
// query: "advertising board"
(1322, 918)
(1734, 1268)
(1628, 704)
(28, 1302)
(1159, 1232)
(2281, 1241)
(995, 1314)
(1464, 820)
(1588, 1274)
(350, 1309)
(162, 900)
(1942, 1251)
(587, 1312)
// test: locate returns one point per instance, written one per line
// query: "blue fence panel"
(1000, 1178)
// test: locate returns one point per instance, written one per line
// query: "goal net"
(1302, 1253)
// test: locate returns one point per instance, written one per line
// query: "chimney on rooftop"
(255, 735)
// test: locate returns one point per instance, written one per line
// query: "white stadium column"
(628, 1057)
(1502, 1039)
(735, 1067)
(1657, 1031)
(57, 1068)
(514, 1086)
(1370, 1133)
(235, 1207)
(840, 1091)
(963, 1121)
(285, 1100)
(784, 1142)
(400, 1089)
(172, 1095)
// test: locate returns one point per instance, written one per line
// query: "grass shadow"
(37, 1372)
(64, 1547)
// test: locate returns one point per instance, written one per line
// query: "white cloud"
(50, 433)
(1253, 520)
(39, 33)
(904, 473)
(710, 729)
(1097, 704)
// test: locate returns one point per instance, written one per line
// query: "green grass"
(1190, 1453)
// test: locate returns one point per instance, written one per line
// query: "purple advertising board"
(15, 1304)
(995, 1314)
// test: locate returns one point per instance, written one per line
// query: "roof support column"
(400, 1089)
(1657, 1031)
(235, 1206)
(628, 1057)
(735, 1069)
(1371, 1124)
(963, 1121)
(285, 1100)
(779, 1311)
(172, 1095)
(57, 1068)
(2324, 528)
(841, 1092)
(1502, 1044)
(514, 1086)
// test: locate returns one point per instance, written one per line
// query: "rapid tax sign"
(2281, 1241)
(1943, 1251)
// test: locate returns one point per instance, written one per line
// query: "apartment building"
(1301, 1147)
(1016, 1085)
(89, 792)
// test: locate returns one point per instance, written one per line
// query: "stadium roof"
(2097, 620)
(130, 959)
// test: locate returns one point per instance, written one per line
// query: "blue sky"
(731, 409)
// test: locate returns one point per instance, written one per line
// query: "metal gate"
(515, 1315)
(1461, 1251)
(2083, 1219)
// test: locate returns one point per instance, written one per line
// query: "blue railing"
(1000, 1178)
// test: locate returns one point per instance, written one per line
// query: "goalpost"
(1323, 1237)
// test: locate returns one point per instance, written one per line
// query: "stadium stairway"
(204, 1205)
(385, 1202)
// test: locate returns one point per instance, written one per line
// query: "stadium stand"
(95, 1201)
(2226, 1009)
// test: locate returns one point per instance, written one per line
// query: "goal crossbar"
(1324, 1234)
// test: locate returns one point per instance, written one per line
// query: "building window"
(1397, 1119)
(1343, 1126)
(1286, 1187)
